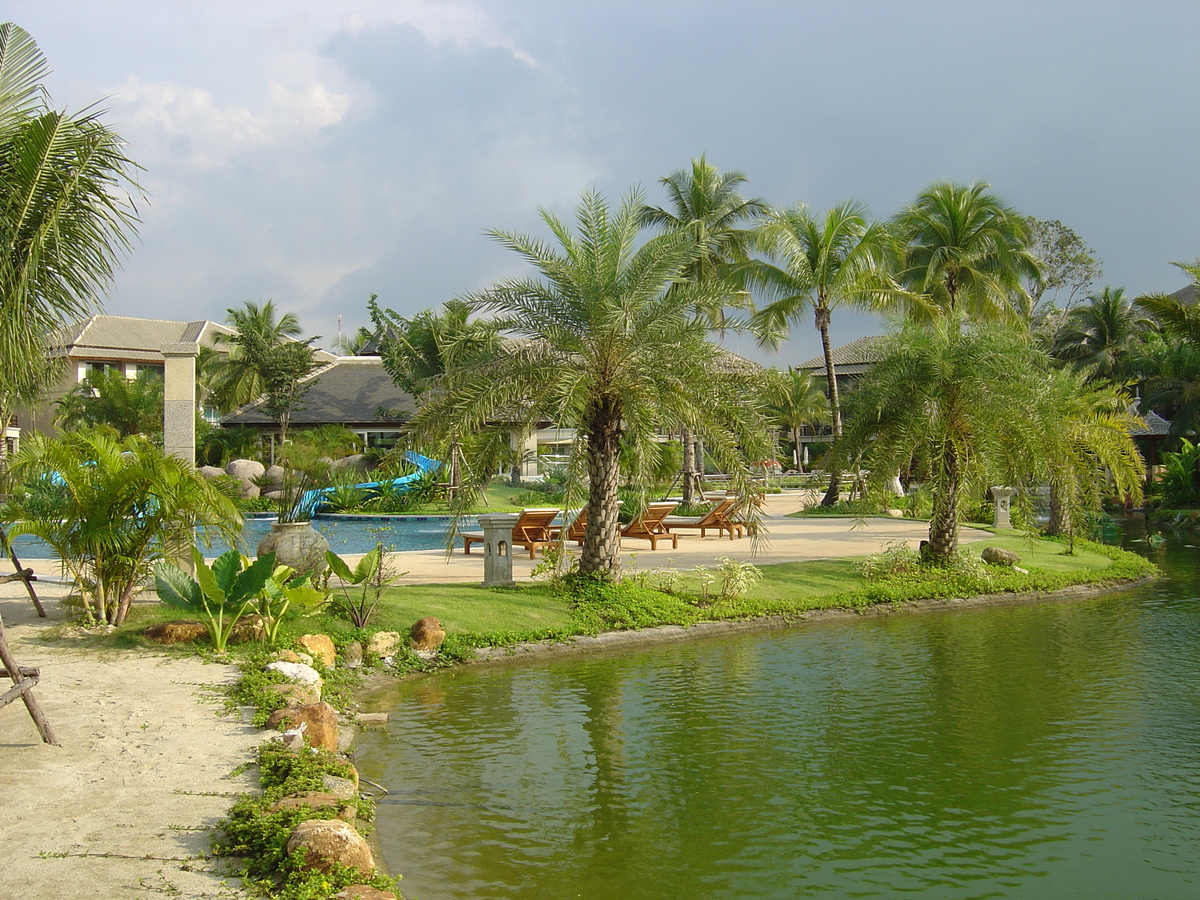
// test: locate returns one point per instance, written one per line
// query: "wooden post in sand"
(23, 681)
(21, 574)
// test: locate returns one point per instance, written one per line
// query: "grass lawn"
(476, 616)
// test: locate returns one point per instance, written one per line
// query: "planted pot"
(296, 544)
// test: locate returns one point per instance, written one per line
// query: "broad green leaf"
(340, 569)
(176, 587)
(367, 565)
(252, 581)
(305, 596)
(225, 570)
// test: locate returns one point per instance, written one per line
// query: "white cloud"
(166, 120)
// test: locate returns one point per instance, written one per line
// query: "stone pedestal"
(179, 399)
(1002, 498)
(497, 548)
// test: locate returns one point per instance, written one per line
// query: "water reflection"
(1042, 750)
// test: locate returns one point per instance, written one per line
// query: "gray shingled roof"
(1152, 424)
(1185, 295)
(853, 358)
(351, 390)
(121, 337)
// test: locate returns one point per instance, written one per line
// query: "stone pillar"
(497, 548)
(1002, 497)
(179, 399)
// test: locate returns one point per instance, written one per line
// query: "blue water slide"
(312, 501)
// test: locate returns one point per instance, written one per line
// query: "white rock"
(296, 672)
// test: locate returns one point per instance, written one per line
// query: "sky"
(315, 152)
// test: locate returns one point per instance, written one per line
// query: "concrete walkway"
(785, 540)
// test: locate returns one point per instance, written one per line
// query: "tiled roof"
(1152, 424)
(351, 390)
(122, 337)
(852, 358)
(1185, 295)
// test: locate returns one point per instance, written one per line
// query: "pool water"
(345, 535)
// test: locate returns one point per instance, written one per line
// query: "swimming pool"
(346, 534)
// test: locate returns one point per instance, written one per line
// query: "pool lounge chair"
(649, 524)
(719, 518)
(574, 531)
(531, 531)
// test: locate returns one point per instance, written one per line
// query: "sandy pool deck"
(123, 808)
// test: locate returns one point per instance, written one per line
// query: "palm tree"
(1172, 365)
(417, 351)
(1088, 445)
(600, 341)
(822, 263)
(1102, 335)
(793, 400)
(65, 216)
(705, 205)
(235, 378)
(108, 509)
(107, 398)
(965, 251)
(981, 406)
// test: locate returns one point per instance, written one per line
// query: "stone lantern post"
(1002, 497)
(497, 548)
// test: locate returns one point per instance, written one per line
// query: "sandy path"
(143, 772)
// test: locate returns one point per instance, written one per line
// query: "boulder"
(336, 785)
(376, 718)
(249, 628)
(245, 469)
(293, 656)
(427, 634)
(998, 556)
(274, 477)
(329, 842)
(346, 811)
(291, 740)
(247, 489)
(298, 672)
(356, 462)
(321, 647)
(352, 656)
(177, 631)
(363, 892)
(211, 471)
(319, 721)
(384, 643)
(296, 694)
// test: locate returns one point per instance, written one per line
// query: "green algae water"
(1044, 750)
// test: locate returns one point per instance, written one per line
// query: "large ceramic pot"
(296, 544)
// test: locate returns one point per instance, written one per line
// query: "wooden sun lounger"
(719, 518)
(649, 525)
(532, 531)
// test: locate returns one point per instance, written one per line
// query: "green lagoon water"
(1031, 751)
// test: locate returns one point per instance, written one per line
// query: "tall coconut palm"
(981, 406)
(795, 400)
(821, 263)
(600, 341)
(706, 206)
(965, 251)
(1102, 335)
(66, 215)
(235, 378)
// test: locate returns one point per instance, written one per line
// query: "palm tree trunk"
(943, 523)
(601, 554)
(833, 492)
